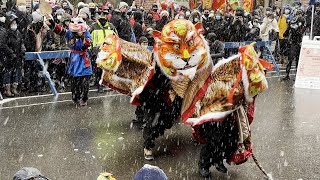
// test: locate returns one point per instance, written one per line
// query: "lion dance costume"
(179, 81)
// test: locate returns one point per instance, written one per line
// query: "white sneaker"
(148, 154)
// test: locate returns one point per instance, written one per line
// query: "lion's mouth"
(186, 67)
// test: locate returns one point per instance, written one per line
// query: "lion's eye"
(176, 46)
(191, 43)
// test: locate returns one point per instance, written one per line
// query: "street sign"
(308, 72)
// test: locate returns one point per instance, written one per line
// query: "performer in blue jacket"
(79, 65)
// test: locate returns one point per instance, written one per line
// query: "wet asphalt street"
(69, 143)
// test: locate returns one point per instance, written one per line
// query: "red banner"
(219, 4)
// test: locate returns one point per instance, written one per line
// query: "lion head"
(180, 49)
(109, 57)
(255, 80)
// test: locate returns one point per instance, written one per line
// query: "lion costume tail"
(268, 176)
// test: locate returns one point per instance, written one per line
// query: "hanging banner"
(248, 5)
(193, 4)
(308, 72)
(207, 4)
(234, 4)
(184, 3)
(219, 4)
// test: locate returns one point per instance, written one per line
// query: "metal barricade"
(40, 56)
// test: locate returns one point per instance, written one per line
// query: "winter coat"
(60, 42)
(266, 28)
(238, 31)
(316, 25)
(15, 43)
(122, 24)
(23, 21)
(31, 39)
(48, 42)
(216, 51)
(295, 31)
(137, 30)
(160, 24)
(253, 35)
(218, 28)
(283, 25)
(6, 53)
(150, 23)
(4, 38)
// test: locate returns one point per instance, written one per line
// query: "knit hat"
(123, 4)
(81, 4)
(164, 13)
(36, 17)
(85, 10)
(65, 17)
(60, 11)
(92, 5)
(150, 172)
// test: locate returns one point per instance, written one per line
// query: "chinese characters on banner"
(221, 4)
(308, 72)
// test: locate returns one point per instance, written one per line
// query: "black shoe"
(221, 168)
(137, 120)
(286, 78)
(205, 173)
(100, 89)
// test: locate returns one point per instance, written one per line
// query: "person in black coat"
(216, 47)
(229, 20)
(164, 15)
(24, 19)
(294, 33)
(254, 34)
(137, 27)
(219, 26)
(5, 51)
(121, 21)
(238, 28)
(149, 21)
(316, 20)
(13, 66)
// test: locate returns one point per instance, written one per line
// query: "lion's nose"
(185, 55)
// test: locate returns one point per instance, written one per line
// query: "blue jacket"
(76, 65)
